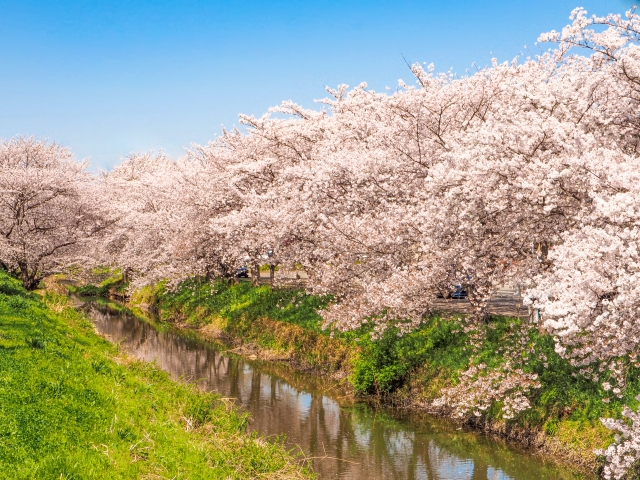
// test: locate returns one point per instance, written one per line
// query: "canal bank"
(408, 372)
(344, 439)
(73, 405)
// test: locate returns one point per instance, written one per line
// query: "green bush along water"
(104, 282)
(409, 369)
(282, 321)
(73, 407)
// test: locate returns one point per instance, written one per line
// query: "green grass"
(284, 322)
(413, 366)
(197, 301)
(105, 281)
(73, 407)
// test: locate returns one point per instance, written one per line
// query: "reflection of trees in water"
(359, 442)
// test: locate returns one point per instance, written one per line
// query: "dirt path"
(505, 302)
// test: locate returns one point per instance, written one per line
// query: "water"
(346, 441)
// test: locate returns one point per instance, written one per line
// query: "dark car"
(243, 272)
(458, 293)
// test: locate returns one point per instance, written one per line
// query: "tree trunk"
(255, 274)
(30, 280)
(210, 273)
(126, 275)
(228, 274)
(272, 273)
(478, 304)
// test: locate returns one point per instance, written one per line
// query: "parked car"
(243, 272)
(458, 293)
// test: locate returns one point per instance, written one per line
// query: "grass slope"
(73, 407)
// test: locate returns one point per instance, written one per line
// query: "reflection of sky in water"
(331, 418)
(362, 435)
(399, 443)
(357, 443)
(265, 392)
(448, 466)
(421, 471)
(304, 404)
(493, 474)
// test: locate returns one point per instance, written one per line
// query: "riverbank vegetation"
(412, 370)
(73, 406)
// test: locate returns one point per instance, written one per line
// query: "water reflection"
(356, 442)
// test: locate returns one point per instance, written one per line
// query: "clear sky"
(107, 78)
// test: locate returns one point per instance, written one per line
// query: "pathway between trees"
(506, 301)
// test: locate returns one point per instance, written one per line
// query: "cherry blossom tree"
(145, 215)
(48, 211)
(588, 296)
(524, 172)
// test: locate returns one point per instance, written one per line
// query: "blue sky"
(107, 78)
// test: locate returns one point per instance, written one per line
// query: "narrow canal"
(346, 441)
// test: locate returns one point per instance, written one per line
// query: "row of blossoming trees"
(523, 173)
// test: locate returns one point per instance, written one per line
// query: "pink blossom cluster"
(622, 455)
(480, 387)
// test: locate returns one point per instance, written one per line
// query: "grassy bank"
(409, 370)
(98, 282)
(72, 406)
(271, 324)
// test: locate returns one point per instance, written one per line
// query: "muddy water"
(345, 441)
